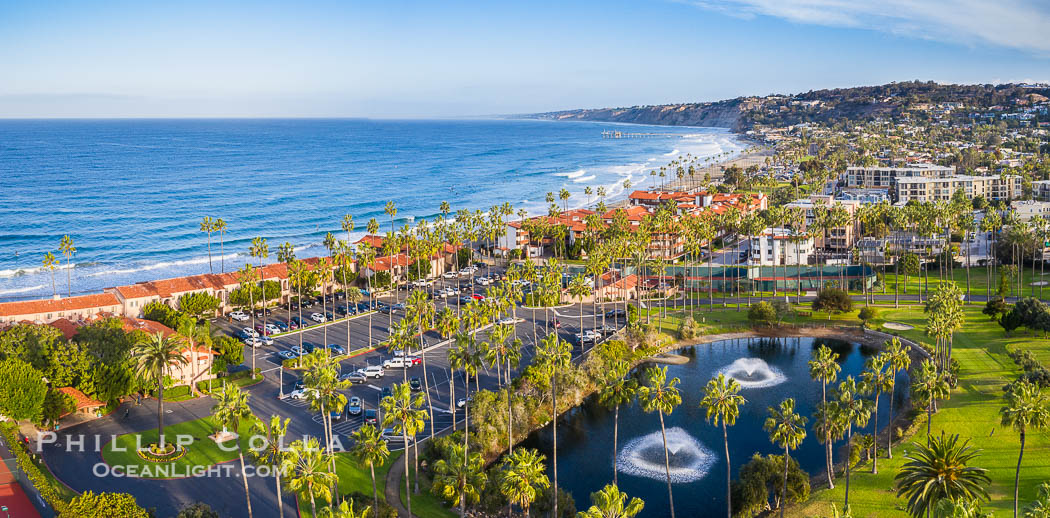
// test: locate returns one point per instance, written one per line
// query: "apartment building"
(942, 189)
(885, 177)
(780, 246)
(1025, 210)
(837, 241)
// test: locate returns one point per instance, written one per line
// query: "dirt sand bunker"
(897, 326)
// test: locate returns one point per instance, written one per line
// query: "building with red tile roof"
(82, 402)
(81, 307)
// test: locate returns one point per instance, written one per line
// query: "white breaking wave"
(575, 174)
(584, 178)
(672, 153)
(27, 289)
(643, 456)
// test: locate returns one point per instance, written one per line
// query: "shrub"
(689, 329)
(762, 313)
(761, 478)
(867, 314)
(33, 473)
(832, 300)
(91, 505)
(198, 304)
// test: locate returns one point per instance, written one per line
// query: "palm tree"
(1026, 409)
(155, 357)
(401, 411)
(50, 263)
(855, 411)
(722, 401)
(824, 367)
(829, 424)
(579, 289)
(447, 324)
(523, 474)
(617, 390)
(231, 407)
(208, 225)
(929, 386)
(421, 310)
(345, 509)
(68, 249)
(370, 448)
(459, 477)
(610, 502)
(787, 430)
(306, 465)
(271, 454)
(366, 256)
(660, 395)
(323, 271)
(553, 356)
(219, 225)
(939, 470)
(260, 250)
(246, 278)
(877, 381)
(900, 360)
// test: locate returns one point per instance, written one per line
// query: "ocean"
(131, 193)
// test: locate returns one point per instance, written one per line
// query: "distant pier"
(624, 134)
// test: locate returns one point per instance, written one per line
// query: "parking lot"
(352, 334)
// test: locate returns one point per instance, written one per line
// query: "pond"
(769, 371)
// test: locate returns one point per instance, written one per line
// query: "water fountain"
(753, 373)
(644, 457)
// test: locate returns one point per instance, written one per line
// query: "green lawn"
(426, 504)
(972, 412)
(202, 452)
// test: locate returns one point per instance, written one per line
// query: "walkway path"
(393, 487)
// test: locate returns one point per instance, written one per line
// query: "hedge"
(41, 482)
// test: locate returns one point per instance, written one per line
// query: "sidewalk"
(392, 493)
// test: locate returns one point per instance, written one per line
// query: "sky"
(445, 59)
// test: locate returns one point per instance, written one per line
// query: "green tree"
(345, 509)
(610, 502)
(154, 358)
(787, 430)
(855, 411)
(833, 301)
(103, 505)
(198, 304)
(1040, 508)
(401, 412)
(660, 395)
(523, 475)
(762, 313)
(271, 454)
(929, 386)
(900, 360)
(722, 401)
(940, 470)
(1026, 409)
(68, 249)
(50, 263)
(370, 448)
(617, 390)
(306, 466)
(231, 409)
(459, 478)
(22, 390)
(56, 404)
(553, 357)
(876, 381)
(208, 226)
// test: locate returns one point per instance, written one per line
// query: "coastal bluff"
(722, 114)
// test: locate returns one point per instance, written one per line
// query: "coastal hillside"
(829, 106)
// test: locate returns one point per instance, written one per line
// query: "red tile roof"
(30, 307)
(82, 401)
(66, 326)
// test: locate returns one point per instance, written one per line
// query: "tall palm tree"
(504, 350)
(617, 390)
(306, 466)
(401, 411)
(219, 225)
(447, 324)
(661, 395)
(900, 360)
(928, 386)
(366, 257)
(830, 425)
(464, 357)
(68, 249)
(610, 502)
(286, 255)
(876, 381)
(1026, 409)
(421, 311)
(722, 402)
(553, 357)
(460, 478)
(855, 411)
(939, 470)
(208, 226)
(155, 356)
(824, 367)
(370, 448)
(231, 408)
(323, 272)
(50, 263)
(787, 430)
(271, 454)
(523, 474)
(260, 250)
(246, 278)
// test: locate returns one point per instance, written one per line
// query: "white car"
(449, 275)
(373, 371)
(506, 321)
(272, 329)
(250, 332)
(253, 341)
(317, 317)
(266, 340)
(302, 393)
(484, 281)
(395, 363)
(240, 316)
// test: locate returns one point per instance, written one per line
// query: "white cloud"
(1018, 24)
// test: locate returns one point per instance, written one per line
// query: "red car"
(415, 360)
(555, 324)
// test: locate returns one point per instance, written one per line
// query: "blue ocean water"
(132, 192)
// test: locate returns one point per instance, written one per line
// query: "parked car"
(302, 393)
(317, 317)
(329, 316)
(266, 340)
(386, 392)
(616, 313)
(415, 384)
(371, 416)
(253, 342)
(414, 360)
(280, 325)
(298, 322)
(337, 415)
(506, 321)
(353, 406)
(335, 349)
(240, 316)
(272, 328)
(305, 349)
(450, 274)
(373, 371)
(286, 355)
(395, 363)
(555, 324)
(354, 377)
(587, 337)
(249, 332)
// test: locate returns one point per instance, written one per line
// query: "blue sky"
(421, 59)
